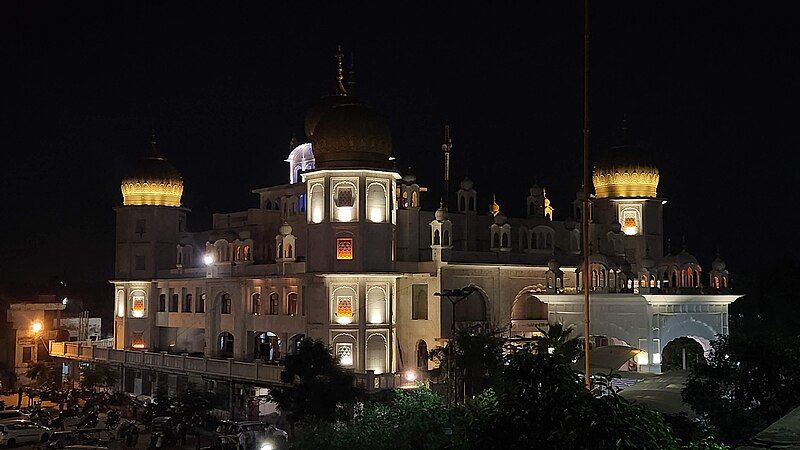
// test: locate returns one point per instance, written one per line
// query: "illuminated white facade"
(345, 253)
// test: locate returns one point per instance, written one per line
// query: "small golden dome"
(153, 181)
(626, 173)
(494, 208)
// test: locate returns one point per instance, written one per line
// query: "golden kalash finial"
(494, 208)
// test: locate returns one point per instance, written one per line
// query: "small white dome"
(718, 264)
(285, 229)
(553, 264)
(500, 218)
(409, 178)
(536, 190)
(440, 214)
(466, 184)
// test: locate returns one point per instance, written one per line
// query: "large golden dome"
(152, 181)
(625, 172)
(352, 136)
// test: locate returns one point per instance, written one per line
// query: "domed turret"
(626, 171)
(441, 213)
(152, 181)
(467, 184)
(285, 229)
(536, 190)
(353, 136)
(553, 264)
(718, 264)
(409, 178)
(616, 227)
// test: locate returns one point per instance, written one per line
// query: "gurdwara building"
(343, 252)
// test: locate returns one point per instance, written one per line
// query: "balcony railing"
(211, 367)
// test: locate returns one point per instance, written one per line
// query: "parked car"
(162, 423)
(15, 432)
(12, 414)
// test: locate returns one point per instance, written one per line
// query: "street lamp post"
(455, 296)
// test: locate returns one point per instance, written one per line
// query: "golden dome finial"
(494, 208)
(340, 90)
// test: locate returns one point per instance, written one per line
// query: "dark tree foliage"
(415, 419)
(317, 386)
(747, 383)
(98, 376)
(752, 377)
(541, 399)
(41, 373)
(477, 356)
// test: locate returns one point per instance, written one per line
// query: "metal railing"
(253, 372)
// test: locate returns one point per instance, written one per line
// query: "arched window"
(289, 251)
(247, 253)
(273, 303)
(180, 257)
(345, 202)
(446, 238)
(472, 203)
(225, 304)
(594, 278)
(255, 304)
(414, 199)
(549, 241)
(436, 240)
(376, 305)
(162, 303)
(422, 355)
(225, 345)
(462, 204)
(317, 201)
(173, 303)
(377, 202)
(495, 240)
(532, 208)
(201, 304)
(602, 277)
(187, 303)
(376, 353)
(523, 239)
(505, 240)
(291, 303)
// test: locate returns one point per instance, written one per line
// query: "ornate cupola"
(625, 172)
(153, 181)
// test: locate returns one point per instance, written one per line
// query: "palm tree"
(556, 340)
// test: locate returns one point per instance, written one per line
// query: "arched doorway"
(294, 343)
(225, 345)
(267, 347)
(682, 353)
(422, 355)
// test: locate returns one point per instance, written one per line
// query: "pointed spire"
(669, 246)
(292, 143)
(625, 127)
(153, 142)
(340, 90)
(351, 75)
(683, 243)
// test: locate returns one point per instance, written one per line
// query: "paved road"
(661, 392)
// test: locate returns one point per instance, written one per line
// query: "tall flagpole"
(585, 215)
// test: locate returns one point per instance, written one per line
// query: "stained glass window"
(344, 248)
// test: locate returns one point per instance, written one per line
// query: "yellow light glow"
(138, 345)
(641, 358)
(632, 181)
(36, 327)
(410, 376)
(156, 193)
(344, 248)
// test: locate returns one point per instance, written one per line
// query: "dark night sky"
(709, 89)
